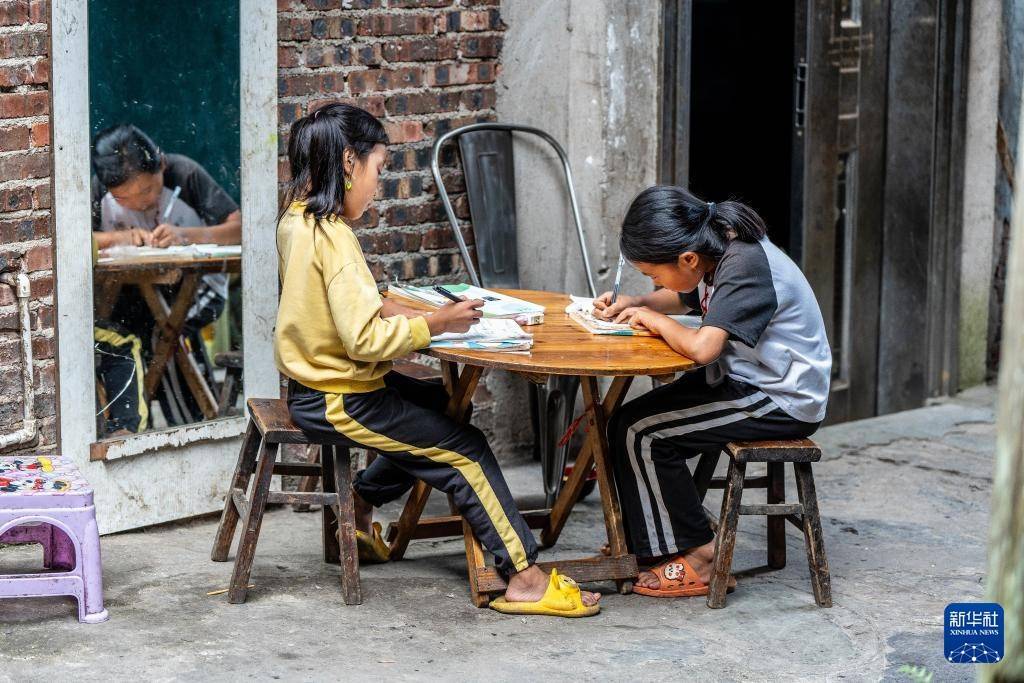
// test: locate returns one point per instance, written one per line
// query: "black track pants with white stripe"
(651, 439)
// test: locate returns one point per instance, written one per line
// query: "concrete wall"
(979, 189)
(587, 72)
(1011, 76)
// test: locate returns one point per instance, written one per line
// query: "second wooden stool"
(269, 426)
(804, 515)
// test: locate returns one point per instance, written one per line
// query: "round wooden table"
(560, 347)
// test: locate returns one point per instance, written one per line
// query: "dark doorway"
(741, 107)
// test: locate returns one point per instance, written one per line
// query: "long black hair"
(316, 154)
(120, 153)
(665, 221)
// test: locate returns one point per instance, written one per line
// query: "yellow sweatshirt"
(329, 333)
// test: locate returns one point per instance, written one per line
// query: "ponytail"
(665, 221)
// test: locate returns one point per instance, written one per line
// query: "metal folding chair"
(487, 164)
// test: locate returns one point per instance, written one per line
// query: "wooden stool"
(804, 515)
(271, 425)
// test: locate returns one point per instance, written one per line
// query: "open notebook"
(489, 334)
(581, 311)
(496, 305)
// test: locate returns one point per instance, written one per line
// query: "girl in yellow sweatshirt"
(336, 337)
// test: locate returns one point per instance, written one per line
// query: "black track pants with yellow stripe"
(120, 372)
(405, 424)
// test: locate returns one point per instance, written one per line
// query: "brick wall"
(423, 67)
(25, 226)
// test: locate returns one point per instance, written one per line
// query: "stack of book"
(489, 334)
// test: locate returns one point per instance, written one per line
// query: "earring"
(348, 184)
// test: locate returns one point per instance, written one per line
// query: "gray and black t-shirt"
(198, 189)
(777, 336)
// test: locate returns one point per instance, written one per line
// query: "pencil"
(446, 294)
(170, 204)
(618, 280)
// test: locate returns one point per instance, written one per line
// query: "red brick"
(474, 20)
(428, 212)
(427, 102)
(480, 46)
(401, 187)
(384, 79)
(396, 24)
(25, 73)
(28, 44)
(310, 83)
(41, 134)
(13, 12)
(39, 258)
(461, 74)
(439, 127)
(391, 242)
(293, 29)
(439, 237)
(333, 27)
(39, 12)
(287, 56)
(13, 138)
(404, 131)
(25, 166)
(419, 50)
(37, 103)
(482, 98)
(288, 5)
(321, 5)
(15, 199)
(43, 348)
(42, 287)
(18, 105)
(24, 229)
(41, 196)
(415, 4)
(370, 219)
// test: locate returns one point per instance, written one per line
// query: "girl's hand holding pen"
(455, 317)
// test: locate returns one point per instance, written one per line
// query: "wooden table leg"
(581, 469)
(196, 382)
(171, 322)
(107, 290)
(605, 481)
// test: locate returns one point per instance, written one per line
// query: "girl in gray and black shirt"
(768, 364)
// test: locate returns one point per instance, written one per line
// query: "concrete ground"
(904, 500)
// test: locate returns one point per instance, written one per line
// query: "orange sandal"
(677, 579)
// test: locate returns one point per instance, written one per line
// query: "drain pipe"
(27, 433)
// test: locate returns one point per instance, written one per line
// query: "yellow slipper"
(561, 599)
(372, 548)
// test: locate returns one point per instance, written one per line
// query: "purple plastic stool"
(45, 500)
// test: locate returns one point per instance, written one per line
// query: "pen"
(170, 204)
(446, 294)
(618, 280)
